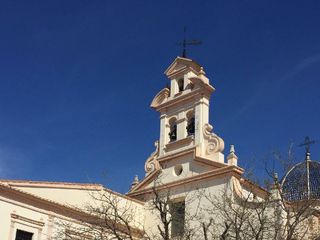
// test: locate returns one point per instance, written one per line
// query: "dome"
(302, 181)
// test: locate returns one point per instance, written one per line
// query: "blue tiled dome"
(302, 181)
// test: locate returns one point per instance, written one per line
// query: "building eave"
(48, 184)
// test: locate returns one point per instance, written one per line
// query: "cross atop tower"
(307, 143)
(185, 43)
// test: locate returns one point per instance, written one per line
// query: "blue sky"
(77, 78)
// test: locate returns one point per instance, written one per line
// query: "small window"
(190, 124)
(23, 235)
(178, 169)
(180, 84)
(173, 130)
(177, 211)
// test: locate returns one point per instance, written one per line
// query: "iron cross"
(307, 143)
(185, 43)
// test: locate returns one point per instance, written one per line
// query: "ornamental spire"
(307, 143)
(186, 42)
(232, 157)
(135, 181)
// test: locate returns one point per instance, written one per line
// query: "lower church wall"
(16, 216)
(196, 203)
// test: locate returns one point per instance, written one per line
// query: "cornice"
(28, 220)
(183, 97)
(181, 71)
(211, 162)
(179, 143)
(46, 184)
(197, 158)
(216, 173)
(168, 157)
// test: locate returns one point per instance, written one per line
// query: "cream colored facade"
(41, 207)
(188, 157)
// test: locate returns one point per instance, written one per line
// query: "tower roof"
(181, 64)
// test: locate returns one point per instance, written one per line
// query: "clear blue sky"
(77, 78)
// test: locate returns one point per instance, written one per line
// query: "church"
(191, 189)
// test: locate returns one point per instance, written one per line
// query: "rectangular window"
(177, 210)
(23, 235)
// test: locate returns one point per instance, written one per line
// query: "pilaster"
(163, 134)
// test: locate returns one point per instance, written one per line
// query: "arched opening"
(190, 123)
(180, 84)
(178, 169)
(173, 129)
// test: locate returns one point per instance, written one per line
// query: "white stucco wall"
(31, 217)
(28, 219)
(192, 194)
(73, 197)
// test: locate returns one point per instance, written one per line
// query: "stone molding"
(28, 220)
(19, 222)
(182, 98)
(168, 157)
(179, 143)
(215, 173)
(45, 184)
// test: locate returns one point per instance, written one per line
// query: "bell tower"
(187, 150)
(184, 112)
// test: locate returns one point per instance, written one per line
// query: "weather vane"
(307, 143)
(185, 43)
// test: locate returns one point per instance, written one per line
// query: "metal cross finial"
(185, 42)
(307, 143)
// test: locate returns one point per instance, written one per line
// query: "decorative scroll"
(152, 163)
(160, 97)
(215, 143)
